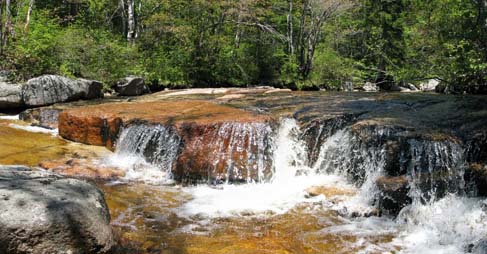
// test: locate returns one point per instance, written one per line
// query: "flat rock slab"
(100, 125)
(45, 213)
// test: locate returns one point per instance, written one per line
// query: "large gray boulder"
(51, 89)
(45, 213)
(10, 95)
(132, 86)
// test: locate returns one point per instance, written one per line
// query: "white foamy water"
(277, 197)
(15, 117)
(137, 169)
(284, 192)
(452, 224)
(35, 129)
(146, 154)
(446, 226)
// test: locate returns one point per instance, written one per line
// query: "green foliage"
(240, 43)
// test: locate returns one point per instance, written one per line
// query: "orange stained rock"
(166, 112)
(100, 124)
(81, 168)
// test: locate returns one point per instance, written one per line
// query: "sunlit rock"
(45, 213)
(51, 89)
(217, 142)
(82, 168)
(10, 96)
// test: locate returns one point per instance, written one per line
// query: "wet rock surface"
(45, 213)
(198, 117)
(393, 194)
(45, 117)
(51, 89)
(201, 126)
(82, 168)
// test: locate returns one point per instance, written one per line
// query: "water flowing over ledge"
(377, 175)
(433, 171)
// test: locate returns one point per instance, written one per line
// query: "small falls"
(435, 168)
(276, 169)
(240, 152)
(146, 152)
(286, 189)
(360, 161)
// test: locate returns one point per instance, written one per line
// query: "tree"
(29, 13)
(314, 15)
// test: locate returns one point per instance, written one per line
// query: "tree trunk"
(123, 16)
(238, 33)
(302, 35)
(29, 13)
(131, 25)
(1, 26)
(290, 29)
(8, 24)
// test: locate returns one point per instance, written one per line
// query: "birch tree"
(29, 13)
(131, 21)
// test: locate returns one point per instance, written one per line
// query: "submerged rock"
(51, 89)
(328, 191)
(44, 117)
(82, 168)
(132, 86)
(10, 96)
(45, 213)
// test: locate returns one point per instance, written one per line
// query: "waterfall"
(440, 218)
(277, 169)
(146, 152)
(361, 161)
(291, 176)
(156, 143)
(290, 157)
(241, 152)
(435, 168)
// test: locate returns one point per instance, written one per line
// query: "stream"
(277, 213)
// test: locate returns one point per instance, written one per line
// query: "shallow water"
(21, 144)
(279, 217)
(156, 219)
(151, 215)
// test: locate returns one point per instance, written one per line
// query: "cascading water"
(146, 152)
(440, 219)
(435, 168)
(286, 189)
(345, 154)
(242, 152)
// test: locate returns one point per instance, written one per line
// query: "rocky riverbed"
(271, 171)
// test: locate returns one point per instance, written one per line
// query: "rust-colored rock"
(225, 151)
(100, 125)
(328, 191)
(218, 142)
(82, 168)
